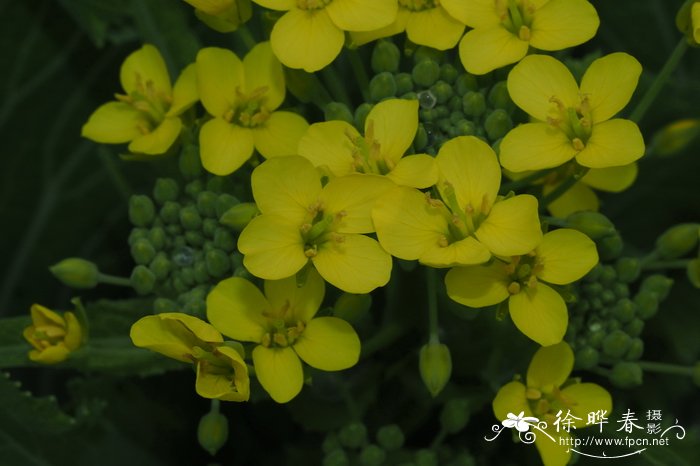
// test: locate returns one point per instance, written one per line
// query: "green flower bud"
(336, 458)
(189, 162)
(499, 96)
(466, 83)
(455, 415)
(455, 105)
(427, 100)
(382, 86)
(142, 279)
(635, 350)
(206, 203)
(161, 305)
(449, 73)
(425, 457)
(675, 137)
(587, 357)
(361, 113)
(142, 251)
(409, 96)
(473, 104)
(608, 297)
(624, 310)
(212, 431)
(404, 83)
(170, 212)
(657, 284)
(178, 285)
(678, 241)
(351, 307)
(353, 435)
(141, 210)
(187, 276)
(427, 53)
(647, 304)
(330, 443)
(165, 189)
(224, 239)
(195, 307)
(427, 115)
(626, 375)
(194, 238)
(216, 184)
(610, 247)
(693, 272)
(157, 237)
(593, 224)
(224, 203)
(385, 57)
(201, 274)
(160, 266)
(621, 290)
(421, 139)
(190, 218)
(497, 124)
(616, 344)
(76, 273)
(209, 226)
(238, 216)
(435, 366)
(390, 437)
(442, 91)
(465, 128)
(635, 327)
(193, 188)
(372, 455)
(608, 275)
(218, 263)
(337, 111)
(628, 269)
(444, 125)
(426, 72)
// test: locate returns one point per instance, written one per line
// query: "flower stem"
(664, 265)
(557, 222)
(335, 85)
(562, 188)
(663, 368)
(525, 181)
(246, 37)
(113, 280)
(360, 72)
(661, 79)
(432, 304)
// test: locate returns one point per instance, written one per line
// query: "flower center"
(48, 335)
(282, 334)
(320, 227)
(250, 110)
(151, 103)
(312, 4)
(366, 153)
(546, 402)
(575, 122)
(522, 272)
(419, 5)
(516, 16)
(465, 221)
(215, 363)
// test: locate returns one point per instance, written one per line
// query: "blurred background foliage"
(63, 196)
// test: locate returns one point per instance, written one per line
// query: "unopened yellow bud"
(76, 273)
(435, 364)
(675, 137)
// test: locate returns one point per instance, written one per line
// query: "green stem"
(664, 265)
(557, 222)
(663, 368)
(432, 304)
(112, 280)
(525, 181)
(358, 69)
(386, 336)
(246, 37)
(661, 79)
(215, 405)
(335, 85)
(439, 438)
(562, 188)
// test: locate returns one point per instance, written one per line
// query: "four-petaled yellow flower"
(549, 394)
(572, 121)
(389, 131)
(147, 116)
(504, 30)
(470, 222)
(52, 335)
(311, 32)
(303, 221)
(538, 311)
(242, 97)
(221, 371)
(283, 325)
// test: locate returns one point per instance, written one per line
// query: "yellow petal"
(280, 134)
(587, 398)
(484, 50)
(219, 74)
(354, 196)
(394, 123)
(566, 255)
(478, 286)
(611, 179)
(301, 302)
(114, 123)
(550, 366)
(279, 372)
(42, 316)
(609, 83)
(356, 263)
(613, 143)
(511, 399)
(415, 171)
(328, 144)
(554, 453)
(235, 307)
(470, 166)
(358, 38)
(143, 66)
(280, 5)
(329, 344)
(273, 247)
(74, 332)
(695, 21)
(577, 198)
(224, 147)
(306, 39)
(362, 15)
(535, 146)
(538, 78)
(561, 24)
(540, 314)
(224, 386)
(173, 334)
(51, 355)
(286, 187)
(159, 140)
(467, 251)
(185, 92)
(512, 227)
(435, 28)
(263, 70)
(474, 13)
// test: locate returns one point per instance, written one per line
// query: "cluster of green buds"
(184, 242)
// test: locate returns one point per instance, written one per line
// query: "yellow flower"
(221, 371)
(242, 96)
(470, 222)
(52, 335)
(222, 15)
(303, 222)
(283, 325)
(538, 311)
(504, 30)
(389, 131)
(549, 392)
(572, 121)
(426, 22)
(147, 116)
(688, 21)
(311, 32)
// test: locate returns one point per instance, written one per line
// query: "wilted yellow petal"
(478, 286)
(279, 372)
(362, 15)
(540, 314)
(329, 344)
(219, 74)
(561, 24)
(263, 70)
(609, 83)
(435, 28)
(235, 307)
(512, 227)
(225, 386)
(143, 66)
(224, 147)
(280, 134)
(566, 255)
(273, 247)
(613, 143)
(484, 50)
